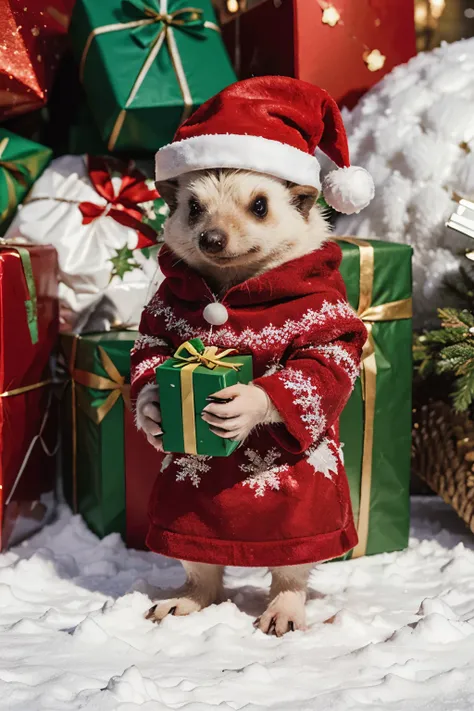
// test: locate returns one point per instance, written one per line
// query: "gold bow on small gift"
(392, 311)
(191, 355)
(207, 356)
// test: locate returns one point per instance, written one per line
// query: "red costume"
(282, 498)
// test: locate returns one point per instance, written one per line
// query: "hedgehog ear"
(168, 190)
(303, 198)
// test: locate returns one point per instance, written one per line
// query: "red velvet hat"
(270, 125)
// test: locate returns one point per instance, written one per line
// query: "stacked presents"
(80, 236)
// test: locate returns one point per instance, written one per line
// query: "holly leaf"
(123, 262)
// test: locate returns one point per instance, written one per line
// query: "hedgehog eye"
(259, 207)
(195, 208)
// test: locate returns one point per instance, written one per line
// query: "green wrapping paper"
(21, 162)
(383, 521)
(92, 420)
(146, 65)
(184, 429)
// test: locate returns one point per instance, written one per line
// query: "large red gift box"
(296, 38)
(33, 36)
(28, 332)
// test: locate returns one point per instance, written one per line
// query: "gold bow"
(165, 34)
(115, 383)
(394, 310)
(209, 357)
(12, 171)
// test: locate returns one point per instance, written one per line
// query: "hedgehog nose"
(212, 241)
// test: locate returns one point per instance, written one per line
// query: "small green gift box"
(186, 381)
(146, 65)
(21, 162)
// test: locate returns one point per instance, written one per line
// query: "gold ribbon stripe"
(25, 388)
(391, 311)
(209, 358)
(165, 34)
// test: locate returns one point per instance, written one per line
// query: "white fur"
(148, 395)
(254, 153)
(284, 235)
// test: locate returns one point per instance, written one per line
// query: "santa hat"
(270, 125)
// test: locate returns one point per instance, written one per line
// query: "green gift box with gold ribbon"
(146, 65)
(94, 400)
(21, 162)
(376, 423)
(185, 382)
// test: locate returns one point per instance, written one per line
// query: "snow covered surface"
(73, 636)
(414, 132)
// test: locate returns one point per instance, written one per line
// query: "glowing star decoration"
(375, 60)
(232, 6)
(330, 16)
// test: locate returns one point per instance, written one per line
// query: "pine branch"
(450, 350)
(463, 394)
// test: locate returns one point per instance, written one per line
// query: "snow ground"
(73, 636)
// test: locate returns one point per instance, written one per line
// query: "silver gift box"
(463, 219)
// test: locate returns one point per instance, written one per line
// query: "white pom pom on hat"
(271, 125)
(348, 190)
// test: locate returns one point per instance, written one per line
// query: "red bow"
(123, 207)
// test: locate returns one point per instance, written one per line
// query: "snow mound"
(73, 633)
(414, 131)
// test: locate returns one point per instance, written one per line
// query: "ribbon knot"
(195, 352)
(124, 205)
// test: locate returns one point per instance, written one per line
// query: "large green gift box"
(146, 65)
(21, 162)
(92, 417)
(185, 382)
(376, 423)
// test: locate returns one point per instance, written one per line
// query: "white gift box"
(55, 213)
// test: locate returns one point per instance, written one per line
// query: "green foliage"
(450, 350)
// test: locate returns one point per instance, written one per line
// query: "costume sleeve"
(150, 350)
(318, 376)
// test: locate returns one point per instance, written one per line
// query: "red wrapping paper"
(142, 462)
(27, 500)
(33, 36)
(289, 38)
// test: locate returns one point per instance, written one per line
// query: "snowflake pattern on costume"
(147, 364)
(341, 357)
(323, 458)
(145, 341)
(263, 472)
(307, 398)
(263, 340)
(191, 467)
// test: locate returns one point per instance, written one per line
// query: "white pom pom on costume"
(215, 314)
(348, 190)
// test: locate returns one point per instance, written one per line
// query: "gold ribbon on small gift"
(185, 18)
(392, 311)
(13, 171)
(190, 358)
(115, 385)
